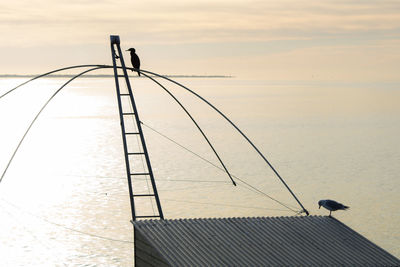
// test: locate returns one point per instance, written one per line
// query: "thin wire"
(216, 183)
(65, 227)
(198, 127)
(181, 146)
(209, 162)
(37, 115)
(191, 181)
(139, 178)
(223, 204)
(192, 187)
(31, 233)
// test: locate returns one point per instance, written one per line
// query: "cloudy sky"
(276, 40)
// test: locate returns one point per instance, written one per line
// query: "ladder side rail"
(140, 133)
(113, 54)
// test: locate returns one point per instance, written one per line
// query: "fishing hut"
(264, 241)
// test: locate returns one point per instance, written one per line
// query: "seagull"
(331, 205)
(135, 60)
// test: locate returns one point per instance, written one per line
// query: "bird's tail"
(346, 207)
(138, 72)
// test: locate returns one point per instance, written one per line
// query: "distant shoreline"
(107, 76)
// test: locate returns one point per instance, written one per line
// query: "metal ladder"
(131, 127)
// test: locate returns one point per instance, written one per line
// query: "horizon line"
(110, 76)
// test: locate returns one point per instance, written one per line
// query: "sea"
(64, 198)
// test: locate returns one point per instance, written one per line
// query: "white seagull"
(331, 205)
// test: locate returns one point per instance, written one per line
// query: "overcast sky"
(276, 40)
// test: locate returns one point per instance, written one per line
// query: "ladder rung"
(144, 195)
(140, 173)
(131, 133)
(152, 216)
(123, 94)
(128, 113)
(136, 153)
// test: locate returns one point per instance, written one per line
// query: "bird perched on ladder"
(135, 60)
(331, 205)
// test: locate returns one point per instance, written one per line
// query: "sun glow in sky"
(277, 40)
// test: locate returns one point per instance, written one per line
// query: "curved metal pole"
(53, 71)
(37, 115)
(195, 123)
(197, 95)
(226, 118)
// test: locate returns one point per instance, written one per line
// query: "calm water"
(64, 199)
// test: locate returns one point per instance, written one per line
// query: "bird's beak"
(319, 206)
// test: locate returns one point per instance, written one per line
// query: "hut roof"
(262, 241)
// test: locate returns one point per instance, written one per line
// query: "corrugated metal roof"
(266, 241)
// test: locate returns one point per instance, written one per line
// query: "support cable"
(37, 115)
(224, 204)
(64, 226)
(250, 187)
(37, 240)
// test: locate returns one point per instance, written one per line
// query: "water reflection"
(65, 196)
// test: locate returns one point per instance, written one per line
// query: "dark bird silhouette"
(331, 205)
(135, 60)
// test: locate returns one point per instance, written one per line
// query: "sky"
(355, 40)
